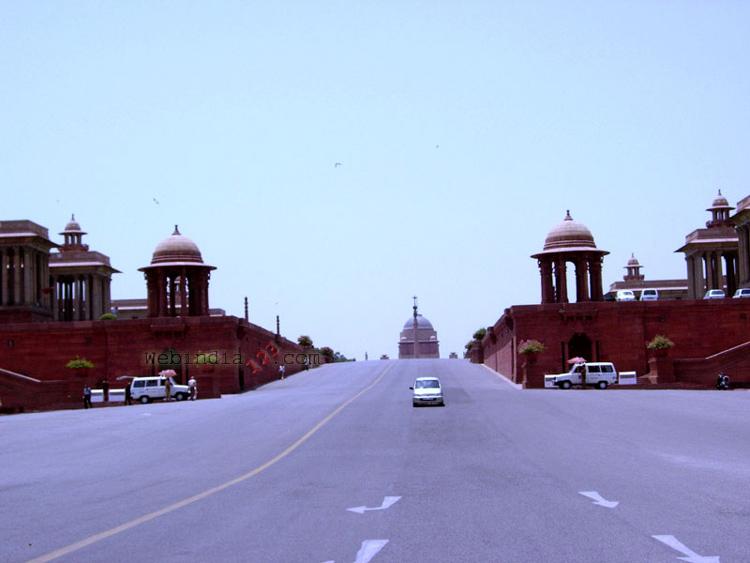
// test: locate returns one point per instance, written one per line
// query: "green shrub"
(531, 347)
(79, 363)
(660, 342)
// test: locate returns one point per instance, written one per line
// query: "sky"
(464, 131)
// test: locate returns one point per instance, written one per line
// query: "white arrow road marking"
(599, 499)
(387, 503)
(368, 550)
(689, 555)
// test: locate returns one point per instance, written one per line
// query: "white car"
(624, 295)
(427, 391)
(650, 295)
(147, 389)
(742, 292)
(715, 294)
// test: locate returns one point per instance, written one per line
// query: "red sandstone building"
(418, 338)
(51, 303)
(709, 335)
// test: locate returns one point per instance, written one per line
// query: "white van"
(650, 295)
(624, 295)
(147, 389)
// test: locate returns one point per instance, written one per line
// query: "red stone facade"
(709, 336)
(247, 355)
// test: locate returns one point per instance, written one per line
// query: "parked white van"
(147, 389)
(650, 295)
(625, 295)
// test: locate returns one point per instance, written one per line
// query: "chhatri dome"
(177, 249)
(569, 235)
(177, 279)
(570, 242)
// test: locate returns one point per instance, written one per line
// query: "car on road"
(741, 293)
(715, 294)
(147, 389)
(427, 391)
(624, 295)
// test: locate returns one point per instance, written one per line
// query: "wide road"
(496, 475)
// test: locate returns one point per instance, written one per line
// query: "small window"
(607, 369)
(594, 369)
(152, 383)
(139, 384)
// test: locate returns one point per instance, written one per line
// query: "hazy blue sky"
(465, 130)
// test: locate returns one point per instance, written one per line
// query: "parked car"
(147, 389)
(598, 374)
(624, 295)
(650, 295)
(427, 391)
(742, 292)
(715, 294)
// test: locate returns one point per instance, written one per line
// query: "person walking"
(282, 371)
(128, 394)
(167, 389)
(105, 390)
(87, 397)
(193, 387)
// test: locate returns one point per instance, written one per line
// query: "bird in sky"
(156, 201)
(337, 164)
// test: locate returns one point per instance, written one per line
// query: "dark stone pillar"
(548, 290)
(561, 281)
(582, 280)
(595, 269)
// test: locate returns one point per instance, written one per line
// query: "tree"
(305, 341)
(480, 334)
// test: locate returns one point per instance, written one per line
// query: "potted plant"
(531, 348)
(660, 346)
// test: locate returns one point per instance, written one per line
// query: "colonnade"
(23, 275)
(711, 269)
(588, 277)
(176, 292)
(80, 297)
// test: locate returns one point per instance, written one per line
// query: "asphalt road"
(496, 475)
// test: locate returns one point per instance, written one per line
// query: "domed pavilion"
(570, 242)
(177, 279)
(418, 338)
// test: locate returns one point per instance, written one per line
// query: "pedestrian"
(282, 371)
(128, 394)
(167, 388)
(193, 387)
(105, 389)
(87, 397)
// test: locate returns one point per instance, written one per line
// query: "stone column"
(548, 290)
(53, 300)
(690, 260)
(107, 296)
(17, 290)
(731, 270)
(710, 277)
(3, 276)
(161, 285)
(582, 280)
(78, 298)
(183, 294)
(719, 257)
(595, 268)
(700, 278)
(561, 281)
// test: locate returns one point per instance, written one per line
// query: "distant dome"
(633, 261)
(72, 226)
(720, 202)
(422, 322)
(569, 235)
(177, 248)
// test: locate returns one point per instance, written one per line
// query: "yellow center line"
(208, 492)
